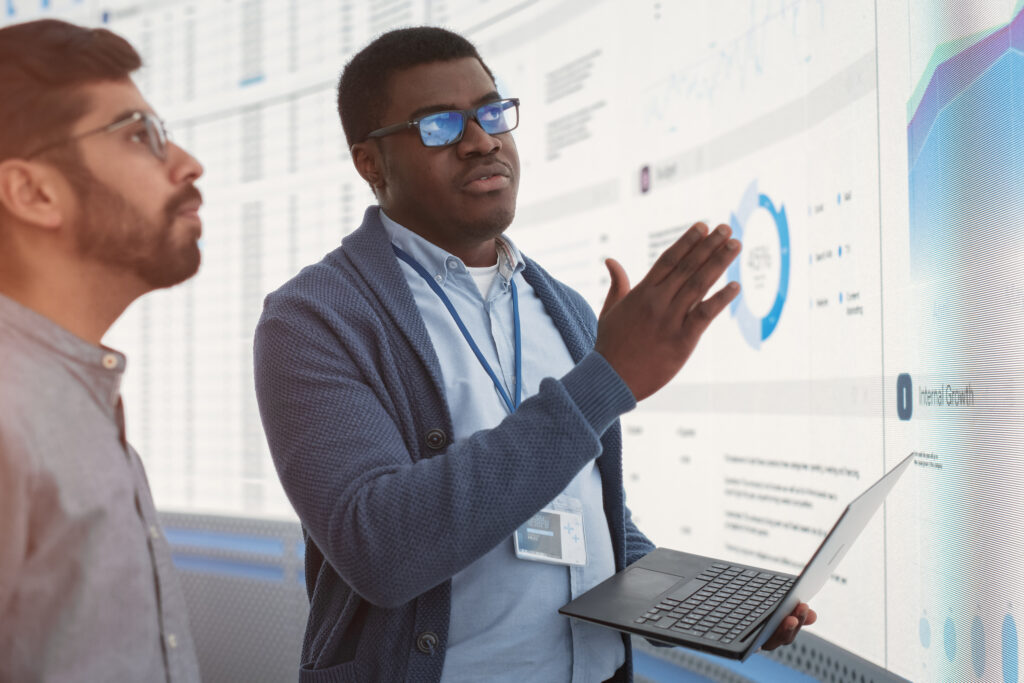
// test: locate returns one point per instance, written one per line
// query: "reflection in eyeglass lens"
(492, 117)
(446, 127)
(441, 128)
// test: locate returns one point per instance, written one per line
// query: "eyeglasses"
(153, 133)
(446, 127)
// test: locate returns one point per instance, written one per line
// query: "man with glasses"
(443, 414)
(97, 207)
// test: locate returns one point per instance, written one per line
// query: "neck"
(474, 246)
(474, 252)
(83, 300)
(477, 256)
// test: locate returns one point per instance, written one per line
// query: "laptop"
(724, 608)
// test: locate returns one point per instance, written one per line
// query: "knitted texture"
(352, 402)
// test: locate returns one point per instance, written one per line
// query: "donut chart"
(754, 328)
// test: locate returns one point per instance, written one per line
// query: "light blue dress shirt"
(505, 626)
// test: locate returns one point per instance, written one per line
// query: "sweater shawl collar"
(369, 251)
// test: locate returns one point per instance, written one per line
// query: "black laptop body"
(721, 607)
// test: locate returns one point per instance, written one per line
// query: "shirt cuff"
(598, 391)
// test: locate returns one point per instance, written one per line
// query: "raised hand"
(648, 332)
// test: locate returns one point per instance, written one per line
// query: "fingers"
(619, 284)
(696, 275)
(803, 612)
(687, 270)
(784, 634)
(787, 631)
(668, 260)
(696, 258)
(688, 253)
(703, 313)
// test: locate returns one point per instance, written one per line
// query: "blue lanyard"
(469, 338)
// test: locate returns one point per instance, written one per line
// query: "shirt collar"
(99, 367)
(438, 262)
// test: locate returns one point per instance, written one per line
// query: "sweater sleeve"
(391, 523)
(637, 543)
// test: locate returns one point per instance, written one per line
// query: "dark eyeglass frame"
(156, 134)
(466, 114)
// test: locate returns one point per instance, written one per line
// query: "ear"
(369, 163)
(31, 193)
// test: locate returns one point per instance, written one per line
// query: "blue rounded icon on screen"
(904, 396)
(949, 639)
(978, 646)
(925, 631)
(1009, 650)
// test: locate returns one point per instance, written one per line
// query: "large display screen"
(868, 154)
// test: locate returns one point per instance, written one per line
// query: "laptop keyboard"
(718, 605)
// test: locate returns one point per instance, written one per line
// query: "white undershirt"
(483, 277)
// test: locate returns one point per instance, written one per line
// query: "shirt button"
(154, 533)
(436, 439)
(172, 641)
(452, 264)
(426, 642)
(439, 277)
(110, 361)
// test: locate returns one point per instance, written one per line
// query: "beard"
(115, 233)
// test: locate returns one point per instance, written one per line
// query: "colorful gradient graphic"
(965, 140)
(966, 182)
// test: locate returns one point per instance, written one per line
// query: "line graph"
(772, 42)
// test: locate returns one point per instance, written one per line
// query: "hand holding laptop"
(719, 606)
(802, 616)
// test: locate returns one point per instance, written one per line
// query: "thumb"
(619, 286)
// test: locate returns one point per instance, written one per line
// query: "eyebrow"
(492, 96)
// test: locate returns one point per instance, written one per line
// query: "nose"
(476, 141)
(184, 167)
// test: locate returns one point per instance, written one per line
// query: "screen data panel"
(868, 155)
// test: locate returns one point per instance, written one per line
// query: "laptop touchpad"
(645, 583)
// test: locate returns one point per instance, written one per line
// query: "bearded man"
(97, 208)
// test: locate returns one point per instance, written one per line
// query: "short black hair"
(363, 86)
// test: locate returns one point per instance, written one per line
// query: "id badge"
(554, 535)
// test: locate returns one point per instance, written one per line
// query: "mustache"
(188, 194)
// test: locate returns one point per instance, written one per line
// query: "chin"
(168, 272)
(494, 222)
